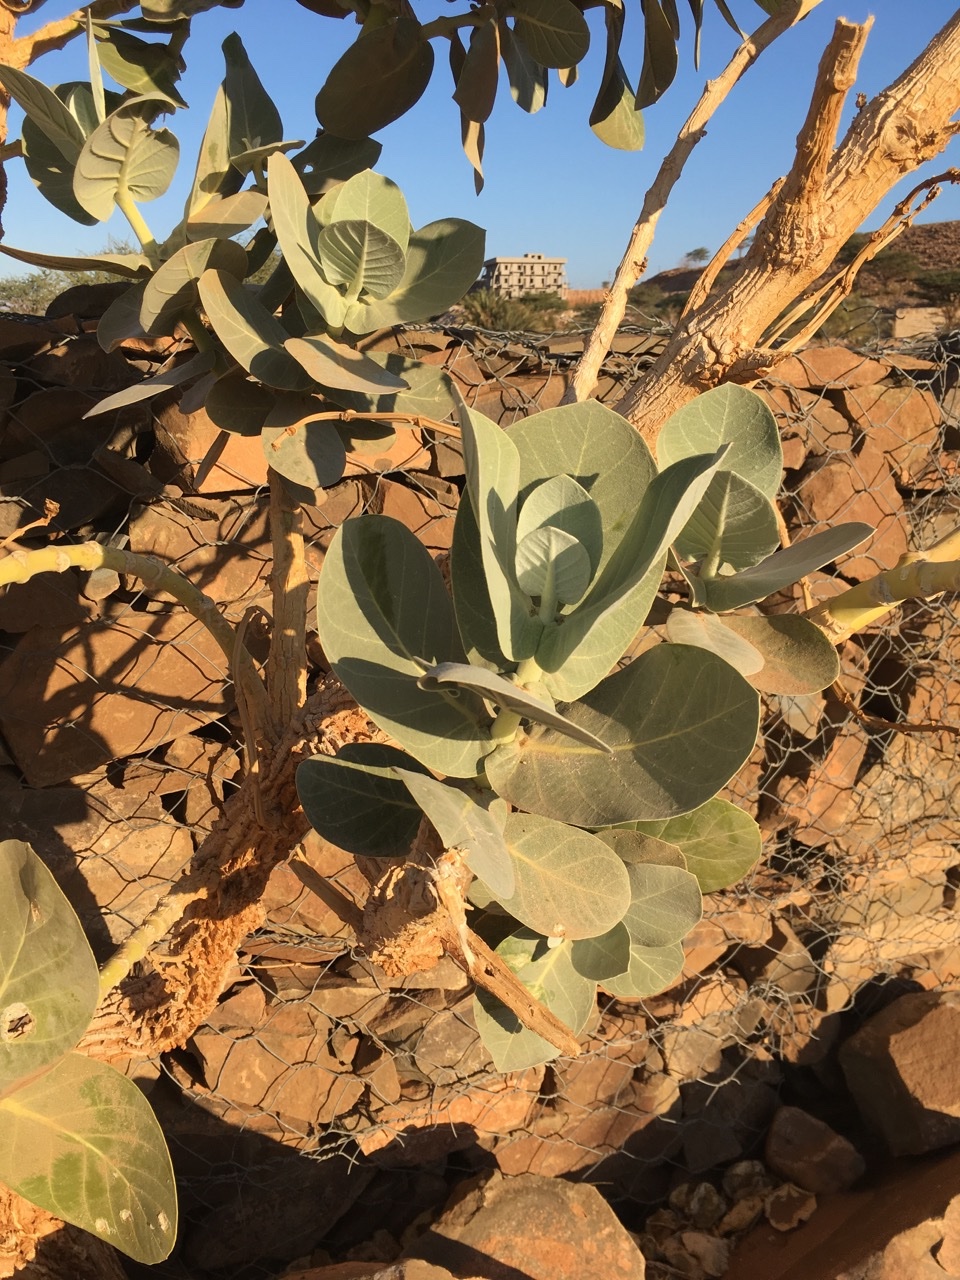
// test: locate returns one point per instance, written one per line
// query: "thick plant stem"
(290, 584)
(21, 566)
(140, 229)
(918, 576)
(633, 263)
(147, 934)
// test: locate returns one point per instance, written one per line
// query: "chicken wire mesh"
(322, 1104)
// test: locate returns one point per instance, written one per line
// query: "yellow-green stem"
(145, 936)
(21, 566)
(140, 229)
(913, 579)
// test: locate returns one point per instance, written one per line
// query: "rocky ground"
(324, 1116)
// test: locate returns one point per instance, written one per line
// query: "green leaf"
(505, 694)
(719, 842)
(587, 442)
(614, 118)
(214, 175)
(797, 657)
(297, 230)
(236, 404)
(174, 10)
(477, 80)
(130, 265)
(295, 445)
(143, 66)
(253, 120)
(353, 803)
(253, 336)
(429, 390)
(463, 824)
(226, 216)
(81, 1142)
(603, 957)
(175, 376)
(576, 654)
(528, 79)
(173, 288)
(549, 974)
(121, 320)
(680, 723)
(368, 197)
(734, 524)
(630, 846)
(328, 160)
(665, 904)
(49, 984)
(731, 415)
(555, 31)
(384, 617)
(493, 473)
(553, 566)
(51, 173)
(359, 256)
(568, 884)
(651, 970)
(443, 260)
(780, 570)
(562, 503)
(659, 55)
(45, 110)
(332, 364)
(124, 159)
(707, 631)
(377, 80)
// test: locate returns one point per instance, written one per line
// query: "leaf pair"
(76, 1137)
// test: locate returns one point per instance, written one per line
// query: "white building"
(533, 273)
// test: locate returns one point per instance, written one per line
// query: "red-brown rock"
(810, 1154)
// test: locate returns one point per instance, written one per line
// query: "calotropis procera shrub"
(582, 785)
(279, 359)
(76, 1137)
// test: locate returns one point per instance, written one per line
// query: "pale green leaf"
(253, 336)
(51, 173)
(384, 617)
(651, 970)
(464, 824)
(568, 884)
(130, 265)
(253, 120)
(614, 118)
(528, 80)
(235, 403)
(81, 1142)
(121, 320)
(328, 160)
(379, 78)
(563, 504)
(549, 974)
(360, 257)
(295, 445)
(680, 723)
(554, 31)
(48, 976)
(734, 524)
(707, 631)
(227, 215)
(443, 260)
(367, 197)
(125, 159)
(632, 845)
(553, 567)
(335, 365)
(731, 415)
(665, 904)
(175, 376)
(355, 801)
(780, 570)
(172, 289)
(297, 230)
(798, 658)
(603, 957)
(719, 842)
(493, 473)
(505, 694)
(45, 110)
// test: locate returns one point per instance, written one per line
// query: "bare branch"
(55, 35)
(633, 263)
(820, 206)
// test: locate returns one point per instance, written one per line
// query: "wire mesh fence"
(323, 1105)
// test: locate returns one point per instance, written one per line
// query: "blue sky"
(551, 186)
